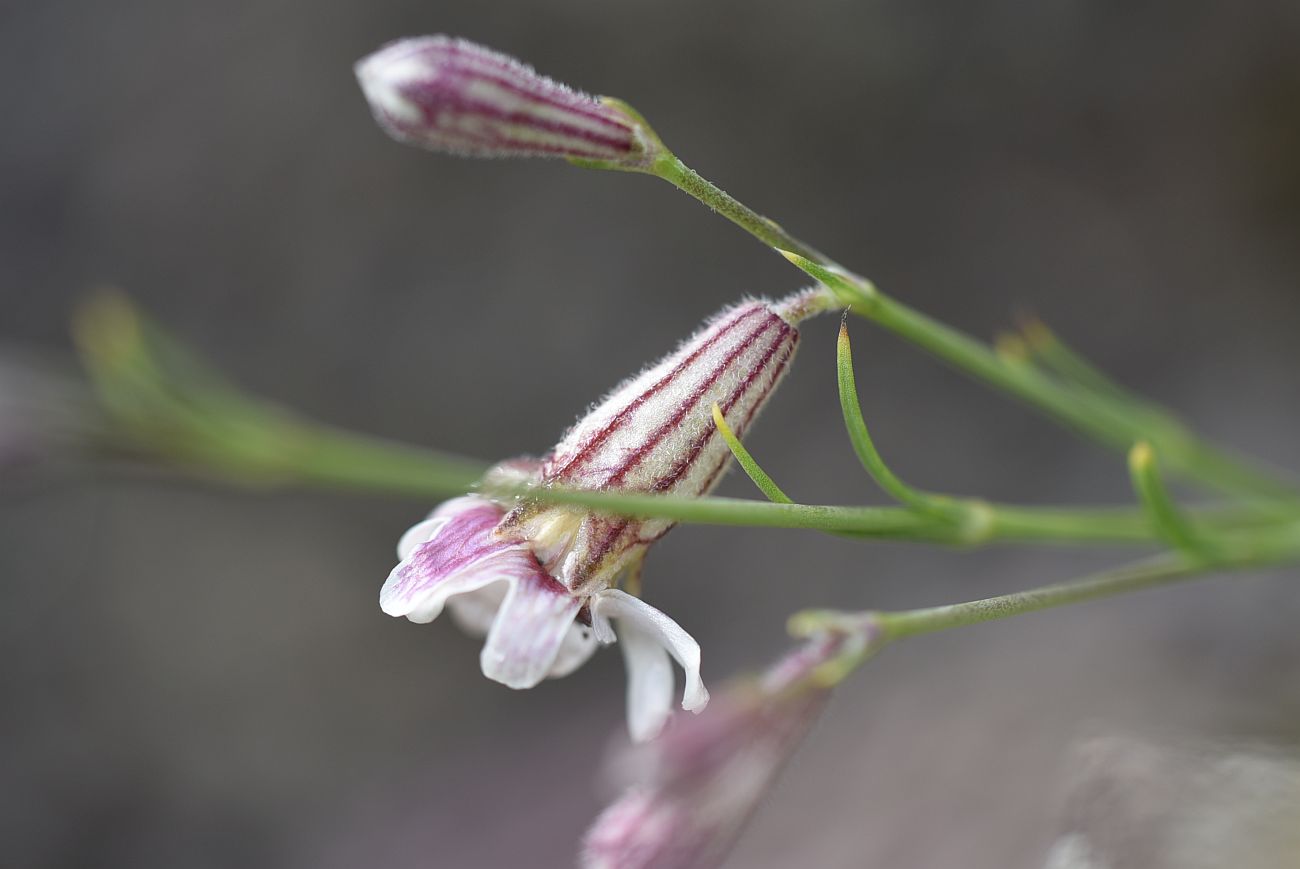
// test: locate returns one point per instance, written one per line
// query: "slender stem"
(690, 182)
(1166, 517)
(1110, 422)
(342, 459)
(166, 402)
(860, 436)
(1157, 571)
(1044, 345)
(1107, 422)
(894, 523)
(996, 523)
(878, 628)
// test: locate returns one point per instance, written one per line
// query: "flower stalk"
(1166, 516)
(162, 402)
(1164, 569)
(1094, 414)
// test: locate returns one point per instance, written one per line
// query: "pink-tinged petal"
(532, 624)
(418, 587)
(637, 617)
(418, 534)
(464, 509)
(495, 587)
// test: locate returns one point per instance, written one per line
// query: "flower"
(452, 95)
(541, 580)
(688, 794)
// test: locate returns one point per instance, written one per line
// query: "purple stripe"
(739, 430)
(617, 528)
(689, 404)
(708, 434)
(433, 102)
(578, 103)
(450, 139)
(468, 142)
(458, 58)
(598, 438)
(465, 539)
(449, 94)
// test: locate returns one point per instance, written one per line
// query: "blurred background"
(199, 677)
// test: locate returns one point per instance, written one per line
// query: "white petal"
(475, 612)
(427, 604)
(635, 613)
(421, 532)
(600, 624)
(649, 681)
(426, 529)
(531, 626)
(579, 645)
(462, 539)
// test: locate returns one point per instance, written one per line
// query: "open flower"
(540, 580)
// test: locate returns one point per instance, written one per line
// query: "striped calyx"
(540, 581)
(451, 95)
(655, 433)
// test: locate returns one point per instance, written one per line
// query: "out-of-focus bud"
(451, 95)
(689, 793)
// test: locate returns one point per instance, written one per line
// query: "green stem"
(342, 459)
(876, 629)
(1166, 516)
(1110, 422)
(988, 523)
(1157, 571)
(166, 402)
(1045, 346)
(865, 447)
(690, 182)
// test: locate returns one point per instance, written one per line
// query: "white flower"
(541, 581)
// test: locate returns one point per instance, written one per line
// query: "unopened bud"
(448, 94)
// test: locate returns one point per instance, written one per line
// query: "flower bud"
(689, 793)
(451, 95)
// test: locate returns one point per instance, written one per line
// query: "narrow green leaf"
(1165, 515)
(861, 437)
(757, 474)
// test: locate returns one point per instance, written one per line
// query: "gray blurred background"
(195, 677)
